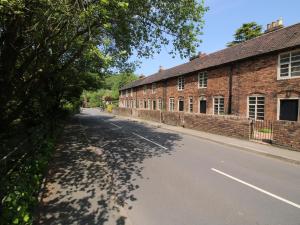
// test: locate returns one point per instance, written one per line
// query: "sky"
(221, 21)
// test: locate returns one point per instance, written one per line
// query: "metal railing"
(262, 130)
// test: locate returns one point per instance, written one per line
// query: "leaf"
(16, 221)
(26, 218)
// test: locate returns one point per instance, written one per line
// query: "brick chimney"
(161, 68)
(142, 76)
(275, 25)
(200, 55)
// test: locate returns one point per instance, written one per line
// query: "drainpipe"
(229, 109)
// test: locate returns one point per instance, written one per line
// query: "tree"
(50, 49)
(246, 32)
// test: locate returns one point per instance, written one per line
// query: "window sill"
(287, 78)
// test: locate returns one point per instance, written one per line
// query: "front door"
(289, 109)
(202, 106)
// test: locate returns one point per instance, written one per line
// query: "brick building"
(257, 79)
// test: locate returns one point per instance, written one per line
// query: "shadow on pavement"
(92, 174)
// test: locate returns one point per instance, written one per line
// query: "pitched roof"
(274, 41)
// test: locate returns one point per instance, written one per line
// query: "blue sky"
(221, 21)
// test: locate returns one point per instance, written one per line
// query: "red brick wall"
(259, 76)
(172, 118)
(223, 125)
(287, 134)
(149, 115)
(249, 77)
(122, 111)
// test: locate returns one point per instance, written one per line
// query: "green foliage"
(246, 32)
(110, 90)
(52, 50)
(110, 108)
(21, 187)
(116, 81)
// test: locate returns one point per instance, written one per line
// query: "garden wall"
(287, 134)
(122, 111)
(223, 125)
(152, 115)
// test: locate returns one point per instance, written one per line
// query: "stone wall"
(287, 134)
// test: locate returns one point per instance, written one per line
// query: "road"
(155, 176)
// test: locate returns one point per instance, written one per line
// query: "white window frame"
(287, 98)
(131, 92)
(191, 103)
(126, 92)
(202, 79)
(153, 88)
(159, 104)
(214, 99)
(180, 83)
(180, 99)
(149, 104)
(255, 115)
(172, 109)
(145, 89)
(289, 67)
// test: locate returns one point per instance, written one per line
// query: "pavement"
(113, 171)
(253, 146)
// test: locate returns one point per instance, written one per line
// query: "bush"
(110, 108)
(20, 187)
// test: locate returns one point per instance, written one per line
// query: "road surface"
(143, 175)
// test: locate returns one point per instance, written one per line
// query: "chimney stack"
(142, 76)
(160, 68)
(200, 55)
(275, 25)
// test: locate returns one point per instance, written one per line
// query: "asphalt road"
(160, 177)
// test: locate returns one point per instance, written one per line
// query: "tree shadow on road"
(92, 174)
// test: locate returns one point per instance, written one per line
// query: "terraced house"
(258, 79)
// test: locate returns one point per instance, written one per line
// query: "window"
(218, 105)
(256, 107)
(145, 89)
(289, 64)
(202, 80)
(191, 104)
(159, 104)
(131, 103)
(145, 104)
(137, 104)
(131, 92)
(149, 103)
(126, 93)
(180, 83)
(153, 88)
(141, 103)
(171, 104)
(289, 109)
(181, 104)
(154, 105)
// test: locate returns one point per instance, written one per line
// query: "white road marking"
(115, 125)
(257, 188)
(149, 140)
